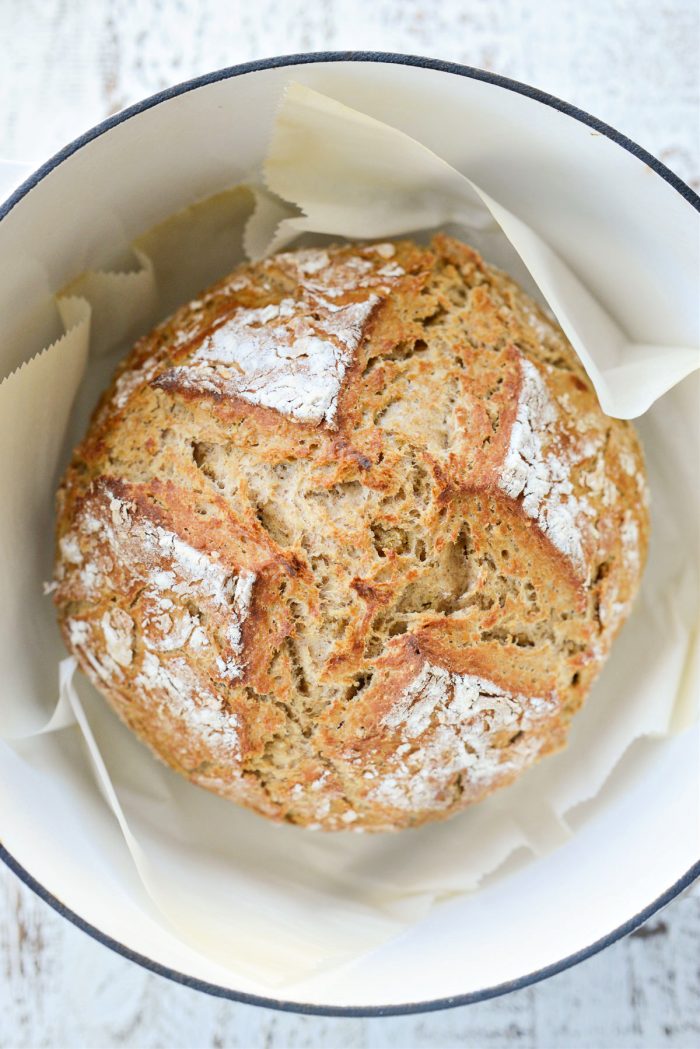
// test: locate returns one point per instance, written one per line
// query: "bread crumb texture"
(349, 536)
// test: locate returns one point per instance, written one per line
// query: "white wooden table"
(67, 64)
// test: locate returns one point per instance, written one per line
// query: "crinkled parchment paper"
(276, 902)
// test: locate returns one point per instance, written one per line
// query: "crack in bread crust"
(349, 537)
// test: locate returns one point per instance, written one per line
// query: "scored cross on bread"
(349, 537)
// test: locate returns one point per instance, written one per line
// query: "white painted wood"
(632, 63)
(65, 66)
(61, 989)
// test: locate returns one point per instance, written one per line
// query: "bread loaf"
(349, 536)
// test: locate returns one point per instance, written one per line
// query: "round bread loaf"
(349, 536)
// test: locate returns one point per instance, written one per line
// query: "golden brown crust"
(349, 537)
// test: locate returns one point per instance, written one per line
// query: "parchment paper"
(273, 901)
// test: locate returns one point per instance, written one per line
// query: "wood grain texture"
(632, 63)
(69, 63)
(61, 989)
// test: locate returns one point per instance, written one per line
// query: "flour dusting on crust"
(280, 357)
(179, 589)
(192, 703)
(542, 478)
(293, 355)
(451, 725)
